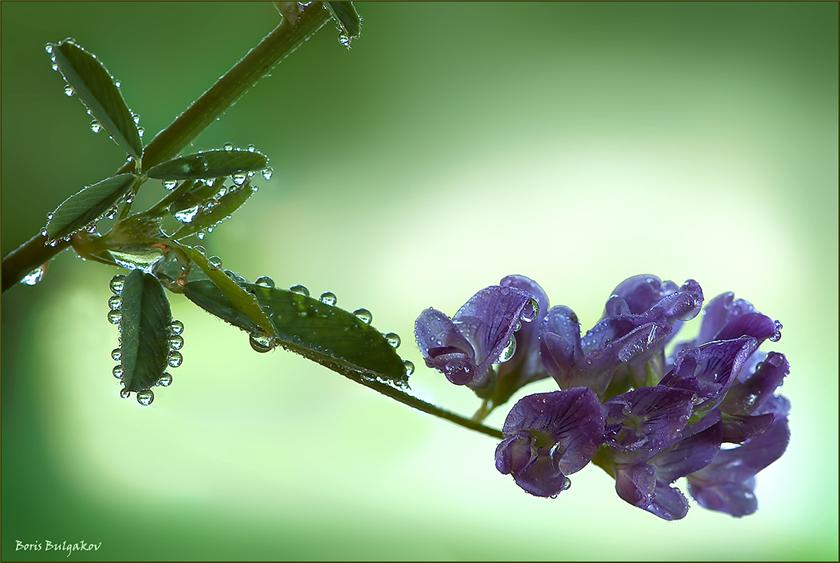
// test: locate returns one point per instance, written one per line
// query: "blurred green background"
(454, 144)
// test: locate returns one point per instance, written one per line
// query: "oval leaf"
(325, 334)
(88, 205)
(144, 331)
(214, 212)
(209, 164)
(98, 91)
(242, 301)
(345, 14)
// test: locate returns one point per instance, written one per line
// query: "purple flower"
(727, 483)
(549, 436)
(640, 317)
(484, 332)
(646, 419)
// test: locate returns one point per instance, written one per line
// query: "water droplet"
(117, 283)
(116, 354)
(215, 261)
(95, 126)
(174, 359)
(112, 212)
(344, 40)
(43, 231)
(518, 326)
(261, 343)
(34, 277)
(251, 148)
(267, 173)
(91, 229)
(135, 118)
(117, 83)
(170, 184)
(176, 342)
(228, 146)
(393, 340)
(531, 310)
(125, 393)
(48, 48)
(187, 215)
(115, 302)
(239, 178)
(117, 371)
(200, 249)
(509, 350)
(145, 397)
(68, 90)
(300, 290)
(264, 281)
(165, 379)
(751, 399)
(141, 132)
(176, 327)
(329, 298)
(364, 315)
(409, 367)
(778, 334)
(114, 317)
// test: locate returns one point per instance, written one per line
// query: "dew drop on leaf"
(170, 184)
(125, 393)
(145, 397)
(329, 298)
(117, 371)
(116, 354)
(364, 315)
(393, 339)
(174, 359)
(300, 290)
(165, 379)
(267, 173)
(68, 90)
(409, 367)
(215, 261)
(117, 283)
(34, 277)
(115, 302)
(251, 148)
(114, 317)
(228, 146)
(187, 215)
(95, 126)
(239, 178)
(264, 281)
(176, 342)
(261, 343)
(176, 328)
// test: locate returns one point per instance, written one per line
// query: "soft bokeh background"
(574, 143)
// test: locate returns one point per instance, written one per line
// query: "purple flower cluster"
(708, 411)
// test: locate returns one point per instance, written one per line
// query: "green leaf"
(144, 331)
(209, 164)
(97, 90)
(88, 205)
(325, 334)
(347, 17)
(195, 193)
(214, 212)
(235, 295)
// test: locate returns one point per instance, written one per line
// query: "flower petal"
(736, 499)
(444, 347)
(526, 365)
(560, 344)
(688, 455)
(649, 418)
(754, 393)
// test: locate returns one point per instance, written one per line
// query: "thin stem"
(425, 407)
(275, 46)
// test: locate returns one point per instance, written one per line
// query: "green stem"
(275, 46)
(425, 407)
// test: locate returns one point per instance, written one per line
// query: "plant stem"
(425, 407)
(275, 46)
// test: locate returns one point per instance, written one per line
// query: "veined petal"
(526, 365)
(751, 395)
(560, 344)
(646, 419)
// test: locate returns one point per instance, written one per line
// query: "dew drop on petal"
(393, 339)
(531, 310)
(174, 359)
(509, 350)
(329, 298)
(176, 328)
(34, 277)
(364, 315)
(778, 334)
(264, 281)
(300, 290)
(145, 397)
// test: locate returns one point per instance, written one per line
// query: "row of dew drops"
(175, 342)
(263, 343)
